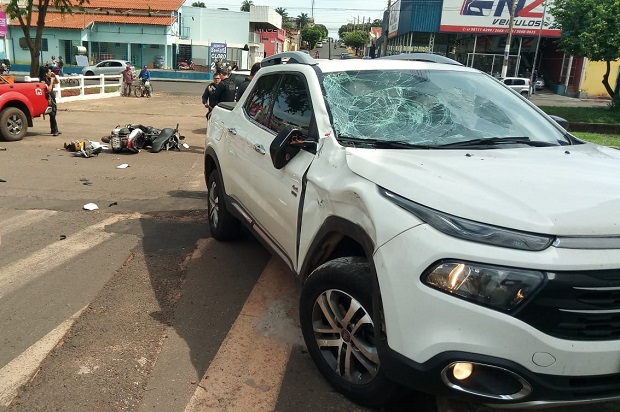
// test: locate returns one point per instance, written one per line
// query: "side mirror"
(286, 145)
(561, 121)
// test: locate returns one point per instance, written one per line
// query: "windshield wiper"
(495, 141)
(380, 144)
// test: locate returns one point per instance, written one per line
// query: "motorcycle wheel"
(137, 91)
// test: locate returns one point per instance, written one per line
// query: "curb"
(603, 128)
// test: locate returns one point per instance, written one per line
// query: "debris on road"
(122, 166)
(84, 148)
(90, 206)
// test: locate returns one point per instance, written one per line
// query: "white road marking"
(24, 219)
(246, 373)
(25, 270)
(19, 370)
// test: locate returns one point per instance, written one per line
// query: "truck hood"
(560, 190)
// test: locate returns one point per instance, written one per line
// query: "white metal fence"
(88, 87)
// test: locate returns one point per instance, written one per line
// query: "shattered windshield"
(432, 108)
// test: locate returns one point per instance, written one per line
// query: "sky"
(331, 13)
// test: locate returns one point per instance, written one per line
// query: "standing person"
(225, 91)
(43, 71)
(246, 82)
(50, 81)
(209, 90)
(61, 65)
(534, 78)
(127, 80)
(145, 76)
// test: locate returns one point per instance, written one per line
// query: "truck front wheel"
(13, 124)
(336, 317)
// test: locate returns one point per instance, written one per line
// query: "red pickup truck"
(19, 104)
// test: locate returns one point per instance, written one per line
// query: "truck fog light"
(462, 370)
(485, 380)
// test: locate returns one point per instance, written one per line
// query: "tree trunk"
(605, 81)
(34, 61)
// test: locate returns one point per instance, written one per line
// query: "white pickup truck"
(448, 236)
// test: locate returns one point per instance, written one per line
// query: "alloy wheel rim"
(214, 216)
(14, 124)
(344, 334)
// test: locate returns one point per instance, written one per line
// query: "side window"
(292, 105)
(508, 82)
(115, 64)
(520, 82)
(257, 105)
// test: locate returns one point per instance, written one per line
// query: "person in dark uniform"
(50, 81)
(247, 81)
(225, 91)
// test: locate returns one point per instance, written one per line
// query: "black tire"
(222, 224)
(326, 297)
(13, 124)
(525, 94)
(89, 73)
(138, 91)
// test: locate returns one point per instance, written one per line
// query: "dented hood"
(563, 190)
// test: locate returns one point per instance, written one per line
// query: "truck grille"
(577, 306)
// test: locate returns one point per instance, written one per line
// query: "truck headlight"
(470, 229)
(500, 288)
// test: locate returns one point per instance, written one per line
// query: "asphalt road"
(133, 307)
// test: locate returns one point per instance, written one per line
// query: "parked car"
(446, 235)
(345, 56)
(319, 45)
(20, 103)
(107, 67)
(520, 84)
(540, 83)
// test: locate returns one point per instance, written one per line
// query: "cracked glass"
(431, 108)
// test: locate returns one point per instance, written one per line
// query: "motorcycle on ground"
(186, 65)
(135, 137)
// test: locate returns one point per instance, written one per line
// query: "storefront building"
(474, 32)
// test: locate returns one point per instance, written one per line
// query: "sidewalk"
(547, 98)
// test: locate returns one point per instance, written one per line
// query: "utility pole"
(512, 9)
(542, 24)
(387, 29)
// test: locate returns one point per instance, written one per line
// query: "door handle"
(258, 148)
(232, 130)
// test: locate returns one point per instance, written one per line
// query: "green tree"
(245, 6)
(323, 30)
(376, 23)
(198, 4)
(302, 21)
(356, 39)
(591, 28)
(311, 34)
(23, 10)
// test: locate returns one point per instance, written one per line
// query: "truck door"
(277, 193)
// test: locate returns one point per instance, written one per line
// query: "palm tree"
(282, 12)
(245, 6)
(302, 20)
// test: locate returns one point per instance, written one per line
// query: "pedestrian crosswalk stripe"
(19, 370)
(21, 272)
(24, 219)
(246, 373)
